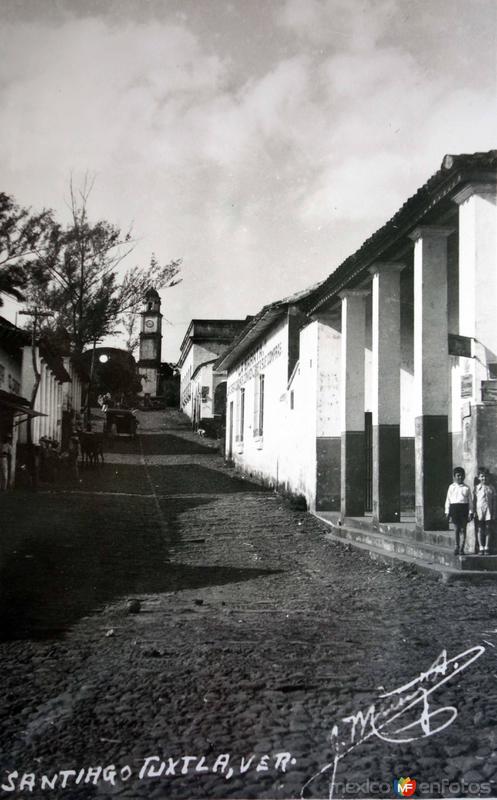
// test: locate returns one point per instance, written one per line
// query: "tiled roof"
(257, 325)
(454, 171)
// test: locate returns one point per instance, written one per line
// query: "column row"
(430, 379)
(477, 272)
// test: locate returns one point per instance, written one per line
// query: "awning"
(29, 413)
(17, 404)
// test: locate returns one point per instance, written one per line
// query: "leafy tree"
(23, 237)
(131, 329)
(79, 278)
(117, 378)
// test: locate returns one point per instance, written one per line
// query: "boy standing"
(484, 511)
(457, 508)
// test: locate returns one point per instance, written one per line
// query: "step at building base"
(434, 560)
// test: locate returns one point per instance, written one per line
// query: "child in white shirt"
(484, 511)
(457, 508)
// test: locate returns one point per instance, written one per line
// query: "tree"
(24, 236)
(79, 278)
(131, 330)
(117, 378)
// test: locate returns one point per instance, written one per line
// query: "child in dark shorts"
(457, 508)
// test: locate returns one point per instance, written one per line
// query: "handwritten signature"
(405, 714)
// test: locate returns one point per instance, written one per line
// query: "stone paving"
(171, 630)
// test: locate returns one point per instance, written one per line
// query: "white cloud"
(261, 165)
(338, 24)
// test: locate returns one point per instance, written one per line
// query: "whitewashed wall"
(260, 455)
(10, 373)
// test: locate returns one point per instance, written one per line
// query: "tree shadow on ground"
(157, 443)
(73, 553)
(162, 479)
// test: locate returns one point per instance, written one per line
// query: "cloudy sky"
(260, 140)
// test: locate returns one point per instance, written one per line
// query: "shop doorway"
(230, 438)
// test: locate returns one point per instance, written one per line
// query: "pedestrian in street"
(484, 507)
(458, 508)
(5, 462)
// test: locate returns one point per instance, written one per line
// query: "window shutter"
(261, 405)
(237, 417)
(242, 413)
(255, 426)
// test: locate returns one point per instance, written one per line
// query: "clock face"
(150, 325)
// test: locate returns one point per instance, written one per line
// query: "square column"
(386, 392)
(431, 376)
(53, 420)
(353, 456)
(478, 278)
(43, 389)
(328, 420)
(478, 320)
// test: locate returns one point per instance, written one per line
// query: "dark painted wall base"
(353, 473)
(433, 468)
(386, 473)
(407, 474)
(328, 450)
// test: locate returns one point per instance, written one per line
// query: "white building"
(50, 393)
(59, 392)
(13, 406)
(394, 377)
(203, 343)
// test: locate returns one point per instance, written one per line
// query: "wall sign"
(257, 362)
(467, 385)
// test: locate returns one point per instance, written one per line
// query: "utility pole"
(90, 385)
(36, 314)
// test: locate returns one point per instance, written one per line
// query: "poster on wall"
(234, 592)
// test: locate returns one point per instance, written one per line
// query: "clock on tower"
(150, 343)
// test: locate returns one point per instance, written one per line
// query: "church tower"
(150, 343)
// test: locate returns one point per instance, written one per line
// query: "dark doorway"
(230, 441)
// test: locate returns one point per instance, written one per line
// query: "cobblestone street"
(253, 635)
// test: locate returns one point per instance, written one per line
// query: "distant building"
(149, 361)
(203, 343)
(260, 365)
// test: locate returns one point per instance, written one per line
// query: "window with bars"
(259, 405)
